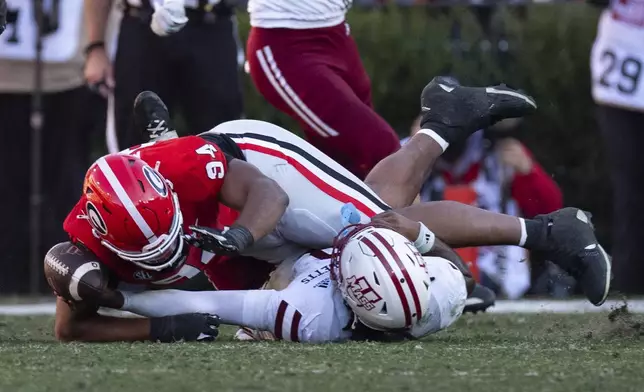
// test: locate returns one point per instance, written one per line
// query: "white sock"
(437, 138)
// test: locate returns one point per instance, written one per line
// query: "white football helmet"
(382, 278)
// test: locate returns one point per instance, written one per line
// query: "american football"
(73, 273)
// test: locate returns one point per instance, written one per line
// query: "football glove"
(190, 327)
(231, 241)
(168, 18)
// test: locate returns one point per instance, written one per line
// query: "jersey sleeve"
(195, 167)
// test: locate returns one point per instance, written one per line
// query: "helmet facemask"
(163, 252)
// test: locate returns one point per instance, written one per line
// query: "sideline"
(501, 307)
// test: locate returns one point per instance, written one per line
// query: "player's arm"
(417, 233)
(96, 15)
(81, 286)
(260, 200)
(83, 323)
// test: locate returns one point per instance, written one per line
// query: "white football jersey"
(297, 14)
(325, 317)
(309, 309)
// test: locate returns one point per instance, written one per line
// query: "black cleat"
(152, 118)
(479, 300)
(454, 112)
(568, 240)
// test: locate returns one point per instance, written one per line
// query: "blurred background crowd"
(348, 82)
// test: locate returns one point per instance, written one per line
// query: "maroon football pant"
(316, 76)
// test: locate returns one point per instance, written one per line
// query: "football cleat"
(568, 240)
(454, 112)
(479, 300)
(152, 118)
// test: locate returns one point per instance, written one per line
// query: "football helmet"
(134, 212)
(382, 277)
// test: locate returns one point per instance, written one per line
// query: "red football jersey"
(196, 169)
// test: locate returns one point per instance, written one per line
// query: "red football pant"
(316, 76)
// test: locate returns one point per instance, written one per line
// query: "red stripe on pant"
(312, 177)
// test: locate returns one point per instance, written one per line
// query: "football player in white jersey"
(374, 284)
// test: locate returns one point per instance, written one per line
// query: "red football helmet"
(134, 211)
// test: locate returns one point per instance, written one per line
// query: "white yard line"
(563, 306)
(501, 307)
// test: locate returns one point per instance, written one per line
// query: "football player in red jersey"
(130, 218)
(149, 224)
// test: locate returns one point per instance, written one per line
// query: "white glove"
(169, 17)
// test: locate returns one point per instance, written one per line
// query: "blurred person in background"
(498, 173)
(303, 60)
(618, 90)
(68, 110)
(185, 50)
(3, 15)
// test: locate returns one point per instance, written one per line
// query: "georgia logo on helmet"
(157, 182)
(134, 212)
(382, 279)
(95, 219)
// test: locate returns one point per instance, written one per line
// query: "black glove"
(227, 242)
(190, 327)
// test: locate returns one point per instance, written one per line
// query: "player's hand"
(513, 154)
(98, 72)
(227, 242)
(398, 223)
(168, 18)
(190, 327)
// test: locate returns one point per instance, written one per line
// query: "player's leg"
(141, 63)
(211, 90)
(565, 237)
(621, 130)
(309, 86)
(450, 113)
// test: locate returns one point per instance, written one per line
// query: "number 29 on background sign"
(622, 73)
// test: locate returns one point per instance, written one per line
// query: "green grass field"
(481, 353)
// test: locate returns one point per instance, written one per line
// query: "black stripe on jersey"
(223, 141)
(317, 163)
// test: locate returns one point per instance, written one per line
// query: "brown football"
(74, 273)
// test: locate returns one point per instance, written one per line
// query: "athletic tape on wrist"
(426, 239)
(241, 236)
(437, 138)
